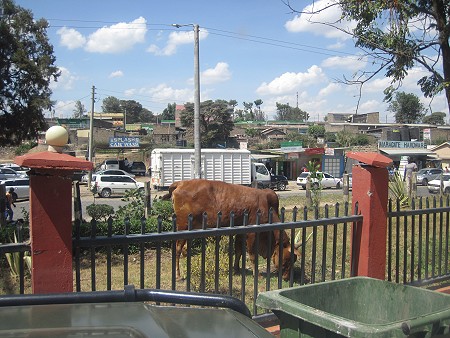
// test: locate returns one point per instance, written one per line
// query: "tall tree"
(398, 35)
(287, 113)
(259, 115)
(169, 112)
(407, 108)
(216, 121)
(436, 118)
(111, 104)
(79, 110)
(26, 70)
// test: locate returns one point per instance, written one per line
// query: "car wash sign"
(124, 142)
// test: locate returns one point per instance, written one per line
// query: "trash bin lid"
(125, 320)
(362, 307)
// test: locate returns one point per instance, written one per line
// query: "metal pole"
(91, 135)
(197, 144)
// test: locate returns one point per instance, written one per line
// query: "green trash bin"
(359, 307)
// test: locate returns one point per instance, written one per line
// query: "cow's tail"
(168, 196)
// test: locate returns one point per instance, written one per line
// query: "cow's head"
(286, 260)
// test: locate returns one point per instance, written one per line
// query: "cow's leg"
(237, 252)
(179, 249)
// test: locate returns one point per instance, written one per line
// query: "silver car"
(21, 187)
(426, 175)
(8, 173)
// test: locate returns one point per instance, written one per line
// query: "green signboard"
(291, 144)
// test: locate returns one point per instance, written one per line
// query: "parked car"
(138, 168)
(8, 173)
(278, 182)
(426, 175)
(21, 187)
(434, 185)
(16, 167)
(108, 185)
(109, 164)
(85, 177)
(328, 181)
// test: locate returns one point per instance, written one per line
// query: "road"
(87, 198)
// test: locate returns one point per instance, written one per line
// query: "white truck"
(227, 165)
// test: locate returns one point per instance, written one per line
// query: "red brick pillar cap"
(52, 160)
(373, 159)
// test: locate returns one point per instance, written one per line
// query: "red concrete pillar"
(51, 218)
(370, 189)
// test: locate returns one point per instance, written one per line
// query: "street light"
(197, 144)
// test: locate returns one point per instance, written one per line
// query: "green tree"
(133, 110)
(259, 114)
(169, 112)
(111, 104)
(436, 118)
(79, 110)
(27, 66)
(316, 130)
(407, 108)
(216, 121)
(287, 113)
(400, 35)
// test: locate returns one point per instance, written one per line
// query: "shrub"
(100, 212)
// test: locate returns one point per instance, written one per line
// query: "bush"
(100, 212)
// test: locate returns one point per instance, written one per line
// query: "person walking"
(10, 199)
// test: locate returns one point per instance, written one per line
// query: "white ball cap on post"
(56, 138)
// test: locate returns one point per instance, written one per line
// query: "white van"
(109, 164)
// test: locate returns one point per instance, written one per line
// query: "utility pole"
(91, 134)
(197, 144)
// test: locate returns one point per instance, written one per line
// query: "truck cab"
(260, 175)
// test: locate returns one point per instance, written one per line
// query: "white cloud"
(352, 63)
(65, 80)
(117, 73)
(117, 38)
(176, 39)
(290, 82)
(331, 88)
(326, 11)
(220, 73)
(62, 109)
(71, 38)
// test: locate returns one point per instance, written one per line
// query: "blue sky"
(252, 49)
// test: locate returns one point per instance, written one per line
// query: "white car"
(8, 173)
(15, 167)
(21, 187)
(108, 185)
(84, 179)
(328, 181)
(435, 185)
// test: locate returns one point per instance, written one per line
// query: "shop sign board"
(124, 142)
(401, 144)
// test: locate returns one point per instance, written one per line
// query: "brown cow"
(198, 196)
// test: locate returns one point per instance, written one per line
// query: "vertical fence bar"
(303, 263)
(174, 249)
(334, 249)
(314, 248)
(420, 253)
(92, 250)
(389, 243)
(217, 240)
(441, 229)
(77, 257)
(158, 255)
(125, 252)
(344, 244)
(447, 223)
(405, 248)
(433, 243)
(397, 244)
(142, 257)
(109, 257)
(231, 249)
(413, 240)
(324, 245)
(427, 239)
(203, 254)
(189, 255)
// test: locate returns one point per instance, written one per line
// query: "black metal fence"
(106, 258)
(418, 241)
